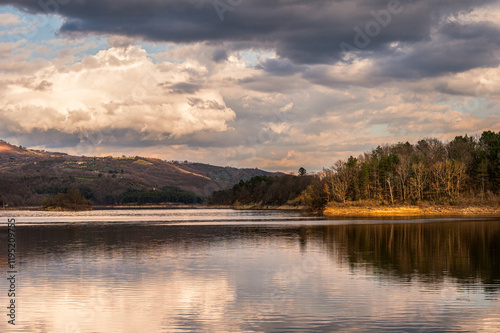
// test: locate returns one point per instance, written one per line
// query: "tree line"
(264, 190)
(430, 170)
(164, 195)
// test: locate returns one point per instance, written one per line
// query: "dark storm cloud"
(455, 48)
(305, 32)
(247, 135)
(219, 55)
(182, 88)
(280, 67)
(52, 138)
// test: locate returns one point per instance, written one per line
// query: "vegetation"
(458, 172)
(164, 195)
(264, 190)
(70, 200)
(463, 171)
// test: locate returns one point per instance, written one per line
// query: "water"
(250, 271)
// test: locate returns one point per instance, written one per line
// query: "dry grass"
(374, 209)
(143, 162)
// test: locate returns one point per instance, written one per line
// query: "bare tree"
(390, 182)
(420, 173)
(337, 180)
(437, 173)
(403, 170)
(460, 175)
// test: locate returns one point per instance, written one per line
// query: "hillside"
(28, 176)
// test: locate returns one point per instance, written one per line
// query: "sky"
(273, 84)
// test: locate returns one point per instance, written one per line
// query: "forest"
(465, 170)
(264, 190)
(163, 195)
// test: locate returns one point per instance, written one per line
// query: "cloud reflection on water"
(133, 278)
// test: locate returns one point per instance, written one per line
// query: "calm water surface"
(250, 271)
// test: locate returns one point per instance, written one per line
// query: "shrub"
(71, 200)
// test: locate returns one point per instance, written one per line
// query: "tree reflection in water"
(467, 251)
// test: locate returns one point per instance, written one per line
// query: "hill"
(28, 176)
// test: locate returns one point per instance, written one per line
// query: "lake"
(250, 271)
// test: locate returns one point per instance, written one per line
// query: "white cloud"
(118, 88)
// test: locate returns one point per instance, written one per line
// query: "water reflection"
(287, 278)
(467, 251)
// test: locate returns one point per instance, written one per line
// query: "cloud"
(120, 41)
(9, 20)
(304, 32)
(454, 48)
(280, 67)
(220, 55)
(183, 88)
(115, 89)
(269, 86)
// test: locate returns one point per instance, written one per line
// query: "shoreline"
(348, 210)
(202, 206)
(167, 206)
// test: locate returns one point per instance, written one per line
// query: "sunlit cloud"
(118, 88)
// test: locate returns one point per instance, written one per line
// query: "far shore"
(171, 206)
(202, 206)
(351, 210)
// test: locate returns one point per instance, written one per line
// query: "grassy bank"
(371, 209)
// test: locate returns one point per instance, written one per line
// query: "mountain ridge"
(27, 176)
